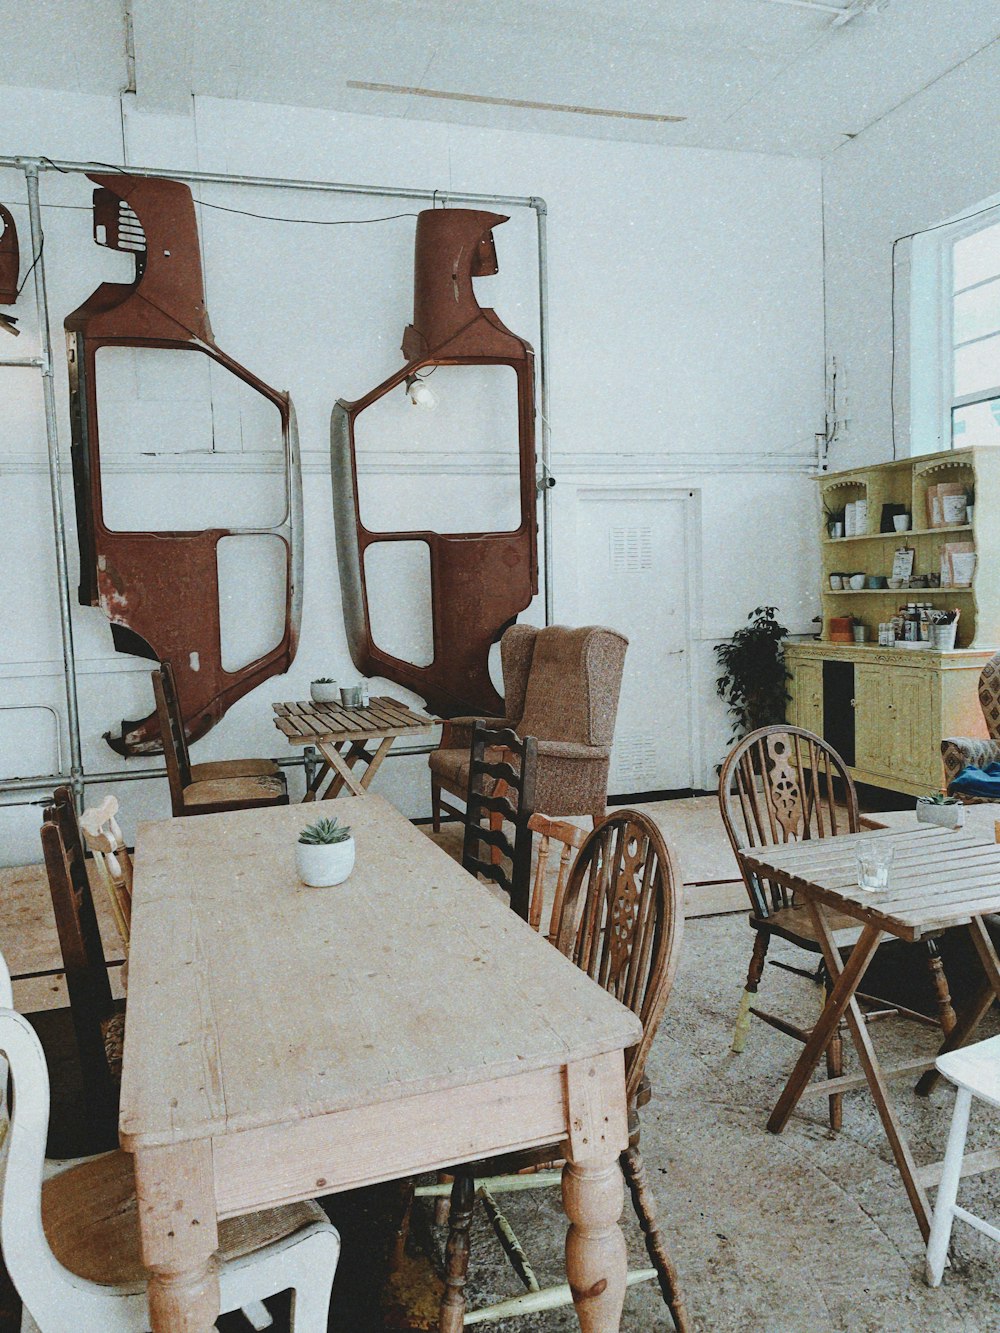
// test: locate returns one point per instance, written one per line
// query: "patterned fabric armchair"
(958, 751)
(561, 686)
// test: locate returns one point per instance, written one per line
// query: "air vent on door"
(635, 762)
(631, 549)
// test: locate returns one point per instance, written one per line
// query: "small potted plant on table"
(324, 690)
(324, 853)
(940, 808)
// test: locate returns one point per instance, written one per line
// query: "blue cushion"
(978, 782)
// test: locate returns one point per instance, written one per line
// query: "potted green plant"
(942, 809)
(834, 520)
(752, 683)
(324, 853)
(324, 690)
(970, 503)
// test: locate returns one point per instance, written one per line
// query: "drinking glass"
(874, 864)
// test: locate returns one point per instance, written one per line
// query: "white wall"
(686, 351)
(931, 158)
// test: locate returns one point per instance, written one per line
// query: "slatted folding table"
(939, 879)
(345, 737)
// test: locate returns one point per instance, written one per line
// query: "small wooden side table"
(345, 737)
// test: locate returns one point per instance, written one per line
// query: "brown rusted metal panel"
(10, 267)
(480, 581)
(160, 590)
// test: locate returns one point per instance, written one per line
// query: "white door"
(634, 573)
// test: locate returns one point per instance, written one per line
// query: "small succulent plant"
(325, 832)
(940, 798)
(324, 680)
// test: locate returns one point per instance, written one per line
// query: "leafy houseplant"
(833, 517)
(941, 809)
(753, 677)
(324, 853)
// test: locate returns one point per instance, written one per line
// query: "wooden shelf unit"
(888, 709)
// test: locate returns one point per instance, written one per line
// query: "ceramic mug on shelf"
(836, 582)
(901, 522)
(857, 582)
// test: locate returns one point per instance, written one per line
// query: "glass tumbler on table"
(874, 864)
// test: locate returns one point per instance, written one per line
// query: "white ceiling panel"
(745, 74)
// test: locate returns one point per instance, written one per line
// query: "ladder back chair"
(621, 922)
(777, 785)
(501, 793)
(105, 842)
(205, 789)
(98, 1021)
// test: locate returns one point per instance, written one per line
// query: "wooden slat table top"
(254, 1000)
(304, 723)
(939, 878)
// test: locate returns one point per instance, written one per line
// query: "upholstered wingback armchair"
(958, 751)
(561, 686)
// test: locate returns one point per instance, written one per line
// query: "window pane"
(978, 312)
(977, 366)
(976, 257)
(979, 423)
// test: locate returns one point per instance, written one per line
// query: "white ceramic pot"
(324, 692)
(901, 522)
(321, 865)
(857, 582)
(946, 816)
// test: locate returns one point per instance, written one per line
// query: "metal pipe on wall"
(31, 167)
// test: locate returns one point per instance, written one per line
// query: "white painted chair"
(975, 1071)
(70, 1239)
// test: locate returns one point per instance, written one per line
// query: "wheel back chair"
(205, 789)
(69, 1234)
(561, 685)
(621, 921)
(777, 786)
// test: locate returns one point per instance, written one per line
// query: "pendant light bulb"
(420, 392)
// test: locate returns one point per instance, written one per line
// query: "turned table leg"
(596, 1262)
(178, 1236)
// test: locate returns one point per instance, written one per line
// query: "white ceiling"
(755, 75)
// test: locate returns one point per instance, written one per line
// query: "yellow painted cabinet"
(807, 694)
(871, 739)
(909, 711)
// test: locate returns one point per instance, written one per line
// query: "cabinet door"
(807, 696)
(871, 732)
(915, 739)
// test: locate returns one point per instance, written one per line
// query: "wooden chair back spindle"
(107, 846)
(622, 921)
(777, 786)
(502, 768)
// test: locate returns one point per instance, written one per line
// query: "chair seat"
(89, 1217)
(796, 925)
(975, 1067)
(235, 793)
(234, 768)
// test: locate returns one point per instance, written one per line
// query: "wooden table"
(286, 1042)
(343, 736)
(939, 879)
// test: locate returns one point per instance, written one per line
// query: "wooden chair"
(501, 791)
(621, 922)
(70, 1239)
(777, 786)
(98, 1022)
(114, 864)
(204, 789)
(572, 839)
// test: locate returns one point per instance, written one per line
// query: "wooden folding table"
(939, 879)
(344, 737)
(286, 1042)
